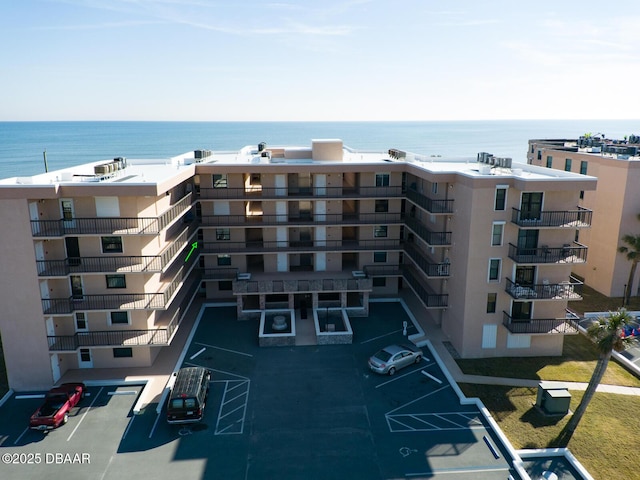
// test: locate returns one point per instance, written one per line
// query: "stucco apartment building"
(99, 263)
(615, 202)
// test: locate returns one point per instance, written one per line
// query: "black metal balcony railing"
(122, 301)
(220, 273)
(241, 287)
(567, 290)
(382, 270)
(429, 299)
(430, 269)
(112, 338)
(432, 238)
(223, 247)
(429, 204)
(123, 264)
(346, 191)
(565, 254)
(553, 326)
(313, 219)
(580, 218)
(110, 225)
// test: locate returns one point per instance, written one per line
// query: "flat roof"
(156, 171)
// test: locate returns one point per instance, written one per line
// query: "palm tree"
(632, 249)
(607, 334)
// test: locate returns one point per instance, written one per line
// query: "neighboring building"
(98, 271)
(615, 202)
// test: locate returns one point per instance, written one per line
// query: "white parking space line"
(124, 435)
(431, 377)
(219, 371)
(123, 392)
(85, 414)
(197, 353)
(155, 424)
(417, 399)
(398, 377)
(223, 349)
(21, 435)
(27, 397)
(381, 336)
(418, 422)
(236, 423)
(458, 471)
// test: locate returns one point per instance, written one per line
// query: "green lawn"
(605, 439)
(604, 442)
(576, 364)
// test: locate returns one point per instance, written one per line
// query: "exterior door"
(34, 215)
(531, 206)
(40, 257)
(55, 367)
(85, 359)
(72, 246)
(77, 292)
(68, 213)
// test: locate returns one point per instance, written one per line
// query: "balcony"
(224, 247)
(566, 254)
(123, 264)
(293, 285)
(221, 273)
(430, 205)
(428, 298)
(116, 338)
(111, 225)
(282, 193)
(566, 290)
(544, 326)
(580, 218)
(433, 239)
(116, 264)
(382, 270)
(428, 268)
(312, 219)
(124, 301)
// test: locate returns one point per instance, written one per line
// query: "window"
(220, 180)
(382, 179)
(379, 282)
(224, 260)
(434, 188)
(531, 206)
(382, 206)
(85, 355)
(119, 318)
(501, 198)
(111, 244)
(123, 352)
(225, 285)
(496, 234)
(116, 281)
(491, 302)
(539, 154)
(583, 167)
(567, 164)
(380, 231)
(494, 269)
(223, 234)
(380, 257)
(81, 321)
(581, 194)
(549, 161)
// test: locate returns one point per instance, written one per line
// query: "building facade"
(105, 258)
(615, 202)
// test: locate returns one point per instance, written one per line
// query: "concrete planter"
(336, 330)
(272, 332)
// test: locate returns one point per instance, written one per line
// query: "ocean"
(71, 143)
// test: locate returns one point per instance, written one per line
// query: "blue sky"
(319, 60)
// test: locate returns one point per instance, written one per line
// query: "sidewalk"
(436, 336)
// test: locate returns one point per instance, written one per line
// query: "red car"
(57, 404)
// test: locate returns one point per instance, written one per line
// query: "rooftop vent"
(262, 146)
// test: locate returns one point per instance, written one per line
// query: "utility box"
(553, 398)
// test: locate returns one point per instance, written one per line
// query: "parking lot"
(313, 412)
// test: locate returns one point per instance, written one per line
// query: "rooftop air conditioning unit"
(507, 162)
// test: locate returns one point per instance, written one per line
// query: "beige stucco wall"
(22, 324)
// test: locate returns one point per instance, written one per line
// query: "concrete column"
(343, 299)
(239, 299)
(262, 301)
(290, 298)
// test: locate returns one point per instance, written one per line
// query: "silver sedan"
(393, 358)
